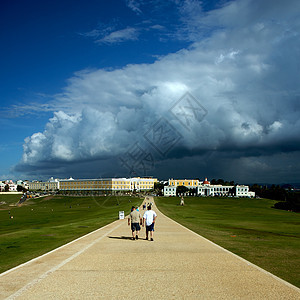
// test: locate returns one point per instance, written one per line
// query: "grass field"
(250, 228)
(43, 224)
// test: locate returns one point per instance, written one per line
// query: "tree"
(158, 188)
(220, 181)
(180, 190)
(292, 202)
(213, 182)
(20, 188)
(192, 191)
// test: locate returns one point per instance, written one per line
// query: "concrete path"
(106, 264)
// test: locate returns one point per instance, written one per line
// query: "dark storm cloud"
(243, 81)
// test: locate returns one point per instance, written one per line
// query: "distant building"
(45, 186)
(200, 188)
(12, 186)
(2, 186)
(243, 191)
(189, 183)
(108, 184)
(25, 184)
(204, 188)
(169, 191)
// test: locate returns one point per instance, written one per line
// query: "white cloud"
(229, 55)
(95, 33)
(127, 34)
(275, 126)
(134, 6)
(22, 109)
(242, 73)
(158, 27)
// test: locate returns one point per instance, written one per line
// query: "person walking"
(135, 219)
(149, 218)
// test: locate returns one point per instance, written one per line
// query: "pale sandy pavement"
(179, 264)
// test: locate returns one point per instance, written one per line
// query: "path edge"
(54, 250)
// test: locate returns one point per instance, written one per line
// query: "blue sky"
(164, 88)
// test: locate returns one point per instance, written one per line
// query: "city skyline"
(134, 88)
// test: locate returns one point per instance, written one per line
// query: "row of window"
(82, 183)
(105, 183)
(44, 185)
(182, 183)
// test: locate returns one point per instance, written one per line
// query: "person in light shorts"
(149, 219)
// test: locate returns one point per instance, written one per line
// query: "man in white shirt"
(149, 218)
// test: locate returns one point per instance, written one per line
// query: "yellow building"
(85, 184)
(189, 183)
(108, 184)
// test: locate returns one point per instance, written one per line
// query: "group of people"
(146, 205)
(136, 220)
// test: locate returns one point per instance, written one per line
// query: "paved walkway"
(106, 264)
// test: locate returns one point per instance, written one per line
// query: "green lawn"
(43, 224)
(251, 228)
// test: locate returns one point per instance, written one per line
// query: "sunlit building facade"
(169, 191)
(204, 188)
(45, 186)
(189, 183)
(107, 184)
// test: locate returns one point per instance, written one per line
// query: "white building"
(169, 191)
(204, 188)
(215, 190)
(12, 185)
(243, 191)
(45, 186)
(2, 186)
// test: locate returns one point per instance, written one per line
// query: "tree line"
(288, 198)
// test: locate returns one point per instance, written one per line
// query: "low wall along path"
(107, 264)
